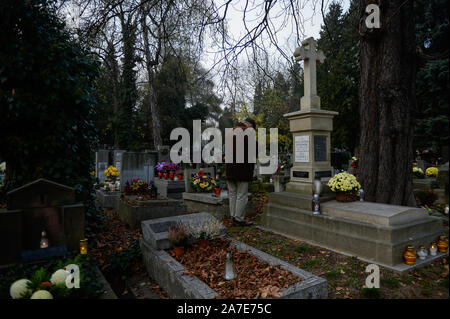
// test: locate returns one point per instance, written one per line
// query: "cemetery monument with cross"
(374, 232)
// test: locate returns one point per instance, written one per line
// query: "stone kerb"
(171, 275)
(156, 231)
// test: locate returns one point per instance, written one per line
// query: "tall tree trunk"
(149, 64)
(387, 101)
(115, 73)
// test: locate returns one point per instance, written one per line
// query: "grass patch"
(390, 282)
(311, 263)
(302, 249)
(444, 282)
(352, 282)
(371, 293)
(333, 274)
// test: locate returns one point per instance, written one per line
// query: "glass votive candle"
(83, 246)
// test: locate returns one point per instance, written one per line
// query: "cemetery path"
(118, 255)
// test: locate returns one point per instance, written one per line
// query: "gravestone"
(137, 165)
(311, 128)
(170, 188)
(101, 163)
(40, 206)
(117, 159)
(164, 153)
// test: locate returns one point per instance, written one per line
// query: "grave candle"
(433, 249)
(83, 246)
(44, 240)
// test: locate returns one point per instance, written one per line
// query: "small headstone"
(40, 206)
(101, 163)
(137, 165)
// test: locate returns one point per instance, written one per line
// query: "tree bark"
(387, 101)
(149, 62)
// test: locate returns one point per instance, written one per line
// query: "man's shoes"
(235, 222)
(246, 223)
(240, 223)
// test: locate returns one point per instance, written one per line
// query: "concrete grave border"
(170, 275)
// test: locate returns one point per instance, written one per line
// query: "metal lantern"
(230, 272)
(316, 205)
(317, 186)
(44, 240)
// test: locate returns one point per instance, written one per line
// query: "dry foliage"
(255, 278)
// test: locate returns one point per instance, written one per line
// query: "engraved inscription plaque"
(323, 174)
(320, 148)
(302, 149)
(300, 174)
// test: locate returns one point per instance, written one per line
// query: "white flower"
(41, 294)
(18, 288)
(59, 277)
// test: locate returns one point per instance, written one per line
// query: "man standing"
(238, 176)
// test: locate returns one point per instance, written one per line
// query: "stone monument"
(374, 232)
(310, 127)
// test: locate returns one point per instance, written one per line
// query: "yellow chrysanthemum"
(432, 171)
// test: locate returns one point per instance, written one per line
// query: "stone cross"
(309, 53)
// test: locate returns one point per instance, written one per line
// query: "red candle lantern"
(217, 190)
(171, 175)
(165, 175)
(159, 175)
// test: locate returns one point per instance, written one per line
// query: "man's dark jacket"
(240, 172)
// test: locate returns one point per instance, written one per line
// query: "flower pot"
(409, 255)
(203, 243)
(179, 250)
(345, 197)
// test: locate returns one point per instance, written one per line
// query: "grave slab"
(373, 213)
(360, 229)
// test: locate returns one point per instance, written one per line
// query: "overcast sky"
(310, 22)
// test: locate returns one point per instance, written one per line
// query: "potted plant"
(432, 172)
(202, 182)
(171, 168)
(205, 230)
(160, 168)
(178, 238)
(345, 186)
(111, 173)
(418, 173)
